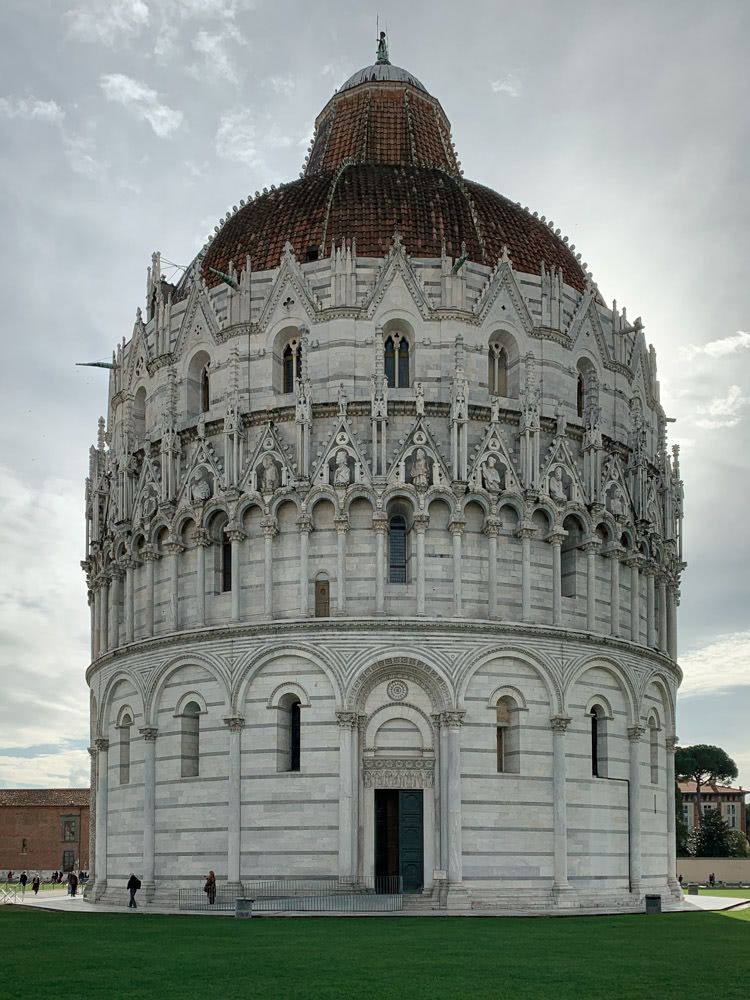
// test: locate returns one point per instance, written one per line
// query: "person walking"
(210, 888)
(134, 884)
(35, 883)
(22, 881)
(73, 883)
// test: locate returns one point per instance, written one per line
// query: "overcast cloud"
(133, 125)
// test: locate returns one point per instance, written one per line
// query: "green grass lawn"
(92, 956)
(738, 893)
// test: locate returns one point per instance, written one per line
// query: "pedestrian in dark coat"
(22, 882)
(134, 884)
(73, 883)
(210, 887)
(35, 883)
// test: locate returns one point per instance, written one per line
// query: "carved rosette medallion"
(397, 690)
(399, 772)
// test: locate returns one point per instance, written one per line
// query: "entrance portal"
(399, 835)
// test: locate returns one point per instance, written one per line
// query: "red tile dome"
(382, 162)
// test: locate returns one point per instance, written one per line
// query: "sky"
(128, 126)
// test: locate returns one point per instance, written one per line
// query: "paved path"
(715, 902)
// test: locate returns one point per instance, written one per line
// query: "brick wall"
(42, 828)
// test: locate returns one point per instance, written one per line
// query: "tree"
(681, 827)
(703, 764)
(712, 837)
(738, 846)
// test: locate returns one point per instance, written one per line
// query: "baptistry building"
(384, 547)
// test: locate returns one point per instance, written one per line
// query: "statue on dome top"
(382, 55)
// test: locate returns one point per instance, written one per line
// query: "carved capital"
(150, 554)
(174, 546)
(235, 723)
(526, 530)
(591, 546)
(671, 743)
(149, 733)
(269, 527)
(380, 523)
(614, 551)
(491, 527)
(560, 723)
(101, 744)
(92, 752)
(421, 522)
(235, 533)
(304, 524)
(202, 538)
(452, 720)
(457, 525)
(635, 733)
(556, 537)
(634, 561)
(341, 522)
(346, 720)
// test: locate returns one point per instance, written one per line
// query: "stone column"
(347, 722)
(115, 596)
(672, 622)
(202, 542)
(555, 540)
(634, 807)
(234, 812)
(491, 530)
(650, 607)
(93, 782)
(269, 530)
(456, 528)
(420, 527)
(443, 795)
(174, 548)
(453, 721)
(104, 615)
(102, 796)
(560, 725)
(663, 613)
(591, 549)
(149, 734)
(304, 526)
(672, 742)
(635, 598)
(342, 526)
(614, 552)
(236, 536)
(150, 557)
(97, 620)
(526, 533)
(130, 568)
(380, 524)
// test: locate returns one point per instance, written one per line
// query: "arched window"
(190, 740)
(226, 565)
(289, 733)
(507, 736)
(205, 391)
(653, 733)
(397, 549)
(497, 373)
(125, 723)
(322, 599)
(587, 391)
(396, 361)
(139, 415)
(291, 365)
(598, 742)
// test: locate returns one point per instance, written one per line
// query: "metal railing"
(8, 894)
(339, 894)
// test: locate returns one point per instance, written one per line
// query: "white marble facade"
(250, 524)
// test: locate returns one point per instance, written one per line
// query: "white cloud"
(108, 21)
(280, 84)
(217, 64)
(65, 768)
(740, 341)
(723, 411)
(723, 663)
(142, 101)
(510, 84)
(236, 138)
(79, 152)
(30, 109)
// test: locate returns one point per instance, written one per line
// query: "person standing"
(73, 883)
(210, 888)
(134, 884)
(35, 883)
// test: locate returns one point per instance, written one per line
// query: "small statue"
(382, 53)
(200, 427)
(342, 400)
(616, 506)
(494, 409)
(557, 486)
(420, 470)
(562, 420)
(419, 398)
(200, 490)
(269, 475)
(491, 475)
(342, 474)
(148, 505)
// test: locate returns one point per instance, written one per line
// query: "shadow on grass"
(93, 956)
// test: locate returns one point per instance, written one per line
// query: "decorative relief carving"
(397, 690)
(399, 772)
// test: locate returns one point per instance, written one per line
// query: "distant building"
(44, 829)
(731, 802)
